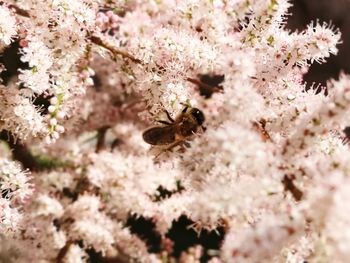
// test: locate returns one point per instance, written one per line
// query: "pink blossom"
(268, 168)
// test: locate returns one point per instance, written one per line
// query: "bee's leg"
(186, 106)
(159, 154)
(169, 117)
(168, 148)
(185, 109)
(164, 122)
(173, 145)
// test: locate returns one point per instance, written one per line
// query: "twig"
(288, 183)
(260, 127)
(114, 50)
(204, 85)
(101, 135)
(94, 39)
(63, 252)
(19, 11)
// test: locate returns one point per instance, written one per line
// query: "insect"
(175, 132)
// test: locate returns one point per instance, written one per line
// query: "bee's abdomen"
(159, 135)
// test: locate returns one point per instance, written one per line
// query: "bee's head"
(198, 115)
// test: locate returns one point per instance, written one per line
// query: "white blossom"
(8, 25)
(267, 169)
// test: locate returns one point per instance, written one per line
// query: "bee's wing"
(159, 135)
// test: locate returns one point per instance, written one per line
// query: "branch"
(94, 39)
(288, 183)
(19, 11)
(62, 253)
(204, 85)
(114, 50)
(259, 126)
(101, 135)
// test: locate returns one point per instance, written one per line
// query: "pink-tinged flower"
(262, 241)
(107, 20)
(15, 190)
(323, 40)
(333, 112)
(37, 54)
(75, 254)
(8, 26)
(269, 164)
(14, 183)
(19, 115)
(10, 218)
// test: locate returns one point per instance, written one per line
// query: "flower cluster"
(19, 116)
(8, 25)
(268, 169)
(15, 190)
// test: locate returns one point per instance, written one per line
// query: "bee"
(175, 132)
